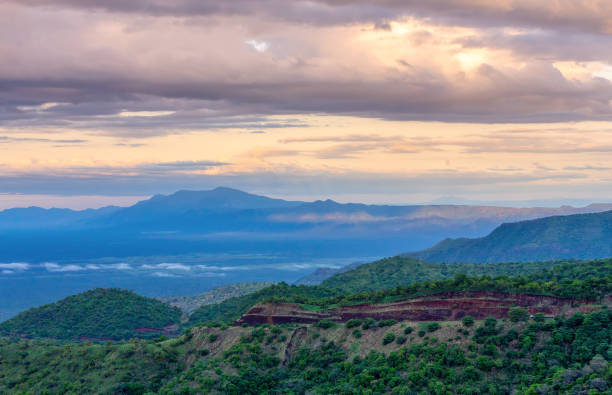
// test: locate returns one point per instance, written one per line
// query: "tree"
(389, 337)
(517, 314)
(468, 320)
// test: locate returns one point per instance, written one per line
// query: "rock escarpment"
(437, 307)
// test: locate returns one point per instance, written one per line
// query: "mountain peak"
(220, 198)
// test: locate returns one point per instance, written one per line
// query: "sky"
(378, 101)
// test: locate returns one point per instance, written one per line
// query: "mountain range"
(228, 219)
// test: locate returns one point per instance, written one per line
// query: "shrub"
(400, 339)
(433, 326)
(484, 363)
(357, 333)
(408, 330)
(490, 323)
(539, 317)
(468, 320)
(516, 314)
(325, 324)
(213, 337)
(389, 337)
(384, 323)
(368, 323)
(421, 332)
(353, 323)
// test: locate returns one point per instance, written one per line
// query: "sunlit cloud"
(126, 114)
(258, 45)
(323, 96)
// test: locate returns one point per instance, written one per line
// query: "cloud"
(258, 45)
(196, 72)
(121, 266)
(587, 167)
(163, 274)
(167, 266)
(54, 267)
(13, 139)
(581, 15)
(15, 266)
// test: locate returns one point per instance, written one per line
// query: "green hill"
(99, 313)
(581, 236)
(563, 355)
(398, 270)
(580, 279)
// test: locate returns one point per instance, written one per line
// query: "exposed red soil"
(168, 330)
(437, 307)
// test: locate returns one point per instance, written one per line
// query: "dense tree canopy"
(99, 313)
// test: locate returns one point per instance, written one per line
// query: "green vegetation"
(353, 323)
(468, 321)
(516, 314)
(572, 279)
(584, 236)
(564, 355)
(45, 367)
(96, 314)
(561, 356)
(233, 308)
(399, 270)
(389, 337)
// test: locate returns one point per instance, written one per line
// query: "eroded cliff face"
(438, 307)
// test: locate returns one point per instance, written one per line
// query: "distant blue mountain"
(36, 217)
(225, 219)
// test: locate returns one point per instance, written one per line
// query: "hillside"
(573, 279)
(581, 236)
(419, 341)
(323, 273)
(398, 270)
(189, 304)
(564, 355)
(96, 314)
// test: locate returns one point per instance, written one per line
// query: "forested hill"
(573, 279)
(98, 314)
(398, 270)
(580, 236)
(561, 355)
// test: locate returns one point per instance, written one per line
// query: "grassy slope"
(99, 313)
(189, 304)
(584, 236)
